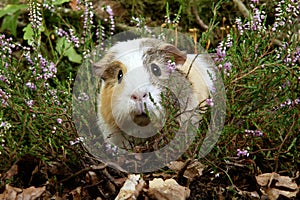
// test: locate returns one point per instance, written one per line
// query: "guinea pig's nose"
(139, 96)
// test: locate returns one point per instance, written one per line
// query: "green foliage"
(259, 66)
(64, 48)
(11, 14)
(261, 76)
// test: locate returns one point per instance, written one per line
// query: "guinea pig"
(134, 74)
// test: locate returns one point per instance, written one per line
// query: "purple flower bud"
(210, 102)
(59, 120)
(31, 85)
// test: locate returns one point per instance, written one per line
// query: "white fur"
(137, 81)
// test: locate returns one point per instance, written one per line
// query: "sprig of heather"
(287, 12)
(88, 17)
(49, 6)
(224, 65)
(140, 23)
(255, 133)
(101, 30)
(256, 23)
(111, 19)
(242, 153)
(4, 128)
(288, 103)
(70, 36)
(42, 69)
(35, 16)
(288, 53)
(7, 47)
(101, 36)
(4, 98)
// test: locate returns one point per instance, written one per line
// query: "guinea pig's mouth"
(141, 119)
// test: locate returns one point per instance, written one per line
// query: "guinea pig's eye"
(120, 76)
(155, 69)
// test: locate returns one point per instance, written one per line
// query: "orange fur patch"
(111, 87)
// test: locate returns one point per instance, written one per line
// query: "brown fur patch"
(110, 77)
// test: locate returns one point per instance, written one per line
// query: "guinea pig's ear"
(100, 67)
(173, 52)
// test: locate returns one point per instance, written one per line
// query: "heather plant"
(258, 60)
(37, 70)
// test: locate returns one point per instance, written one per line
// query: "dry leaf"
(120, 181)
(176, 165)
(131, 188)
(76, 193)
(167, 190)
(10, 192)
(252, 195)
(91, 178)
(194, 169)
(275, 185)
(31, 193)
(73, 4)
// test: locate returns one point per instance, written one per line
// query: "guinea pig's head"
(132, 73)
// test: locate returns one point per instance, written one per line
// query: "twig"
(199, 21)
(183, 169)
(99, 167)
(190, 67)
(283, 142)
(253, 70)
(242, 8)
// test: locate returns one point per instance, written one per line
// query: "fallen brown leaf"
(275, 185)
(167, 190)
(31, 193)
(73, 4)
(76, 193)
(194, 168)
(10, 192)
(131, 188)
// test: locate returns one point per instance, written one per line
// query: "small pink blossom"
(59, 120)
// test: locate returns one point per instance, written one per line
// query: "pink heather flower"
(111, 149)
(76, 141)
(242, 152)
(171, 65)
(4, 97)
(228, 42)
(59, 120)
(221, 53)
(88, 16)
(83, 97)
(29, 103)
(210, 102)
(4, 79)
(3, 124)
(256, 133)
(31, 85)
(227, 68)
(109, 10)
(288, 102)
